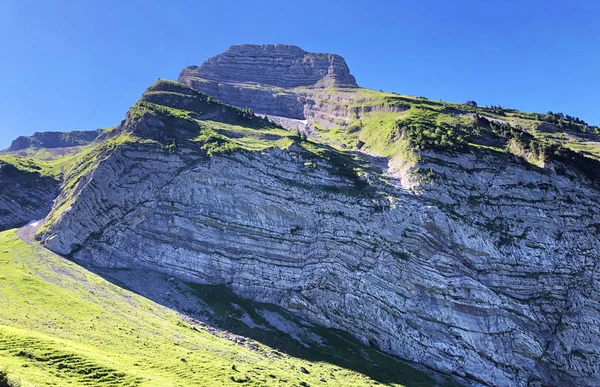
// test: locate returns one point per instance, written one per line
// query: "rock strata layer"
(298, 90)
(274, 65)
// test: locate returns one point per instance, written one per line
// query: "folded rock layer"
(489, 271)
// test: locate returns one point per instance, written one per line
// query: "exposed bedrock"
(488, 271)
(283, 104)
(483, 275)
(275, 65)
(292, 108)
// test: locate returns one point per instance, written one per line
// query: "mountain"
(220, 339)
(50, 140)
(458, 237)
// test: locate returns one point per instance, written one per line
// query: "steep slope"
(32, 170)
(284, 81)
(61, 324)
(25, 194)
(467, 245)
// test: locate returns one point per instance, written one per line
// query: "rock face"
(274, 65)
(51, 140)
(282, 81)
(24, 196)
(489, 272)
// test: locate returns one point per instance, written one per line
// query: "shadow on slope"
(224, 314)
(218, 310)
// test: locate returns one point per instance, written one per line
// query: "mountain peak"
(54, 139)
(277, 65)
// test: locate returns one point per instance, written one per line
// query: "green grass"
(62, 325)
(194, 118)
(45, 168)
(589, 148)
(487, 147)
(52, 163)
(47, 163)
(217, 137)
(44, 154)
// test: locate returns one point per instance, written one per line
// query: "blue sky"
(72, 65)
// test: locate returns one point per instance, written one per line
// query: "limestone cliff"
(477, 262)
(299, 90)
(274, 65)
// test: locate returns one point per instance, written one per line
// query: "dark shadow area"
(25, 194)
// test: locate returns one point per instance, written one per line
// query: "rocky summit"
(274, 65)
(464, 239)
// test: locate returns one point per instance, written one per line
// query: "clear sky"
(73, 65)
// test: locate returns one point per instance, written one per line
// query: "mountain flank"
(461, 238)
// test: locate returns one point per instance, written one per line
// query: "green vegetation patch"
(216, 137)
(184, 117)
(45, 168)
(424, 125)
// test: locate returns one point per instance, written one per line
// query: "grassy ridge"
(400, 127)
(45, 168)
(63, 325)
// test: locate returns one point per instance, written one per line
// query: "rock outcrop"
(282, 81)
(274, 65)
(50, 140)
(489, 272)
(24, 196)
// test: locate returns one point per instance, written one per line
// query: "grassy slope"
(195, 119)
(419, 124)
(63, 325)
(45, 168)
(424, 124)
(439, 124)
(48, 162)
